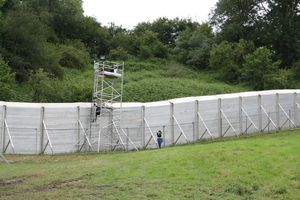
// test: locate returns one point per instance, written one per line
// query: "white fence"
(34, 128)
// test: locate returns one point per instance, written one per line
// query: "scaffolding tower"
(107, 104)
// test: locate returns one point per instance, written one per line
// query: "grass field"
(257, 167)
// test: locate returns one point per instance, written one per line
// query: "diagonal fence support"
(86, 138)
(269, 118)
(288, 118)
(135, 147)
(48, 139)
(181, 131)
(251, 121)
(205, 126)
(229, 124)
(10, 140)
(152, 135)
(119, 136)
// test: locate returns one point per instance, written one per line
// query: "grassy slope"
(259, 167)
(144, 82)
(161, 82)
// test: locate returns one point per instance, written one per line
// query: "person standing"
(98, 111)
(159, 138)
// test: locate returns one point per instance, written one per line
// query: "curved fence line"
(37, 128)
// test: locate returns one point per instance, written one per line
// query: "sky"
(128, 13)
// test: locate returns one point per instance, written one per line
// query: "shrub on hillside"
(74, 55)
(259, 70)
(7, 79)
(228, 58)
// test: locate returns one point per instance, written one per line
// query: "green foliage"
(281, 79)
(228, 58)
(273, 24)
(74, 55)
(40, 85)
(7, 79)
(193, 46)
(118, 54)
(167, 30)
(149, 46)
(23, 38)
(259, 69)
(145, 82)
(296, 70)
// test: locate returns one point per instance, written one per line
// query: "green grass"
(257, 167)
(162, 81)
(143, 82)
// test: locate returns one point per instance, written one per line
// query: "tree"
(271, 23)
(167, 30)
(259, 69)
(228, 58)
(7, 79)
(193, 47)
(74, 55)
(40, 85)
(24, 42)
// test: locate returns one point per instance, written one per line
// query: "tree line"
(253, 42)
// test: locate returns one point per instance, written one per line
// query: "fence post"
(42, 129)
(220, 118)
(127, 139)
(259, 113)
(197, 126)
(295, 109)
(110, 131)
(78, 129)
(164, 135)
(277, 112)
(3, 127)
(143, 127)
(240, 115)
(172, 122)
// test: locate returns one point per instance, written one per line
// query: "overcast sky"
(128, 13)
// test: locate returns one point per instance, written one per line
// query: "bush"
(40, 85)
(118, 54)
(7, 79)
(280, 80)
(228, 58)
(193, 47)
(259, 71)
(74, 55)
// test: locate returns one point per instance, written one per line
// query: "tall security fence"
(34, 128)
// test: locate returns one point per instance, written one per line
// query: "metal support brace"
(143, 126)
(204, 124)
(248, 117)
(172, 125)
(10, 141)
(268, 116)
(230, 125)
(120, 138)
(85, 136)
(99, 139)
(152, 135)
(129, 139)
(48, 139)
(181, 131)
(287, 116)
